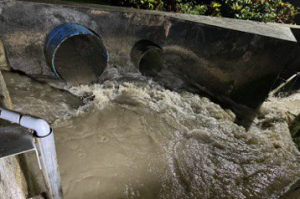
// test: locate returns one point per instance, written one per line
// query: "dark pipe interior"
(147, 57)
(151, 62)
(80, 59)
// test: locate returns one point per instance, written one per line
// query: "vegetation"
(257, 10)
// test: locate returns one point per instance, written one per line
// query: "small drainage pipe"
(147, 57)
(45, 149)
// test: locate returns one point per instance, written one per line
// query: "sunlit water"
(134, 139)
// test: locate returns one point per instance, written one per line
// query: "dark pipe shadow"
(184, 70)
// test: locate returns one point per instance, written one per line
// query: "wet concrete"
(236, 61)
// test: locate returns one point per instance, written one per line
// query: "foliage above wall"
(257, 10)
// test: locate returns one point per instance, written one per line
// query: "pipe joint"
(40, 126)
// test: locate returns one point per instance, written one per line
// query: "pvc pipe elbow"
(40, 126)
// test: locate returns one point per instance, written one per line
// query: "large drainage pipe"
(76, 54)
(45, 147)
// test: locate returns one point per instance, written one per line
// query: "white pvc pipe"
(40, 126)
(9, 116)
(48, 159)
(45, 147)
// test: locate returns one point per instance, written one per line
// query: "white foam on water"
(136, 139)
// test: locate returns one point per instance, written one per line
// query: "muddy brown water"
(134, 139)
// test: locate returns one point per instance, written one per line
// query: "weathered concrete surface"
(233, 60)
(12, 181)
(293, 65)
(11, 184)
(3, 63)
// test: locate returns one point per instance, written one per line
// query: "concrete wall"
(12, 181)
(232, 60)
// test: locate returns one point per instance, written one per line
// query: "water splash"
(136, 139)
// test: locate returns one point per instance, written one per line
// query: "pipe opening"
(76, 54)
(147, 57)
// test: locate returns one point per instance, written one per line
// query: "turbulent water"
(134, 139)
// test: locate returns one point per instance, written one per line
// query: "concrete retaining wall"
(232, 60)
